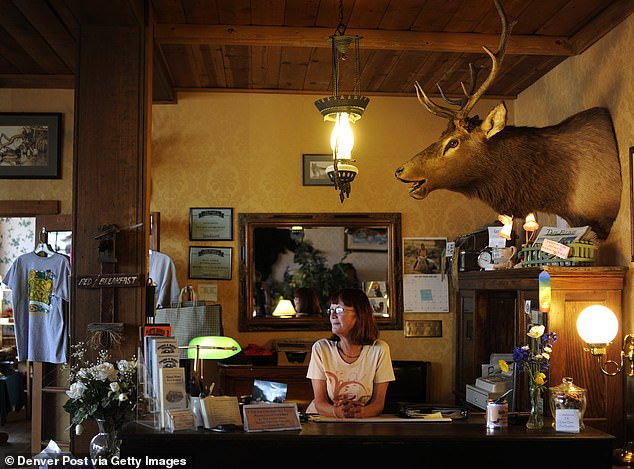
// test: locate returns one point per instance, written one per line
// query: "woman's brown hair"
(308, 301)
(365, 331)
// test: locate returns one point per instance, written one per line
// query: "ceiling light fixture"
(343, 110)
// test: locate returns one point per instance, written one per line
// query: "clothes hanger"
(43, 249)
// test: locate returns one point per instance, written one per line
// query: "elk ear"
(495, 121)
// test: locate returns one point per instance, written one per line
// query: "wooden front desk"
(237, 380)
(459, 444)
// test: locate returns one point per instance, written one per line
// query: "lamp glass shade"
(530, 223)
(505, 219)
(284, 308)
(506, 230)
(213, 347)
(597, 324)
(342, 138)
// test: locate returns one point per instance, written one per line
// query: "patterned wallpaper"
(245, 151)
(17, 237)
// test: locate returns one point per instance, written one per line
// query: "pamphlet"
(172, 393)
(564, 235)
(220, 410)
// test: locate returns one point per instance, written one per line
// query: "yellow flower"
(503, 366)
(540, 378)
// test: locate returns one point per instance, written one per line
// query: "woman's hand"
(349, 409)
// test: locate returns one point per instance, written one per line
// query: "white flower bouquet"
(103, 390)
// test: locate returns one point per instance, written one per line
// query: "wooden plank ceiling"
(281, 45)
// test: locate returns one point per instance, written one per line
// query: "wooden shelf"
(491, 319)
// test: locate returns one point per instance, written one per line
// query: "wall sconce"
(530, 226)
(597, 325)
(214, 347)
(343, 110)
(284, 309)
(507, 229)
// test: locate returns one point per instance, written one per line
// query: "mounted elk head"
(570, 169)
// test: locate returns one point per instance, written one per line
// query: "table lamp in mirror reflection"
(213, 347)
(284, 309)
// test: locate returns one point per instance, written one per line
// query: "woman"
(306, 302)
(350, 371)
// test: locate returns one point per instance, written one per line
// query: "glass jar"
(567, 396)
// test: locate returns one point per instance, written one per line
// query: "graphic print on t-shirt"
(351, 389)
(40, 291)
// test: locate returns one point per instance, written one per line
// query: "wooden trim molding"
(29, 208)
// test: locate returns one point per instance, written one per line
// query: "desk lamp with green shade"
(213, 347)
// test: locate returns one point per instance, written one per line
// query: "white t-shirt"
(163, 272)
(350, 380)
(39, 288)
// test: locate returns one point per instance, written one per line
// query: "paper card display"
(567, 420)
(172, 392)
(271, 417)
(179, 419)
(163, 354)
(220, 410)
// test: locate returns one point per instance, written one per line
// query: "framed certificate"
(210, 262)
(211, 224)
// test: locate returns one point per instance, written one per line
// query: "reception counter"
(461, 443)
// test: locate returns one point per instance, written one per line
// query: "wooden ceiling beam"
(65, 82)
(284, 36)
(602, 24)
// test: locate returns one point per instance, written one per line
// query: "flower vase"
(536, 417)
(105, 444)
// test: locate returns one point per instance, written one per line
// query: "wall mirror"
(322, 252)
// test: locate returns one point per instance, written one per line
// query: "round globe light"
(597, 324)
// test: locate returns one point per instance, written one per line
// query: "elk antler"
(471, 96)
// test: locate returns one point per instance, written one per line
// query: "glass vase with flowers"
(534, 359)
(104, 391)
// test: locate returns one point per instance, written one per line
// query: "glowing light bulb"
(342, 139)
(530, 223)
(597, 324)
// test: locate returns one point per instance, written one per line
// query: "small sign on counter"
(271, 417)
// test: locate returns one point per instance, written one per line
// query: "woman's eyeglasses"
(339, 310)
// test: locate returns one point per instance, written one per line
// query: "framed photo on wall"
(210, 224)
(314, 170)
(366, 239)
(209, 262)
(30, 145)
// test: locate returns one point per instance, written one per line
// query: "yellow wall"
(601, 76)
(245, 151)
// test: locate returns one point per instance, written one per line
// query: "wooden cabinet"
(237, 380)
(491, 318)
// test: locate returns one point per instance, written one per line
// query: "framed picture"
(314, 173)
(30, 145)
(210, 262)
(366, 239)
(210, 224)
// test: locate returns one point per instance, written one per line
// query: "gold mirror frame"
(249, 222)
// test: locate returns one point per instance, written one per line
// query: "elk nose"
(398, 172)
